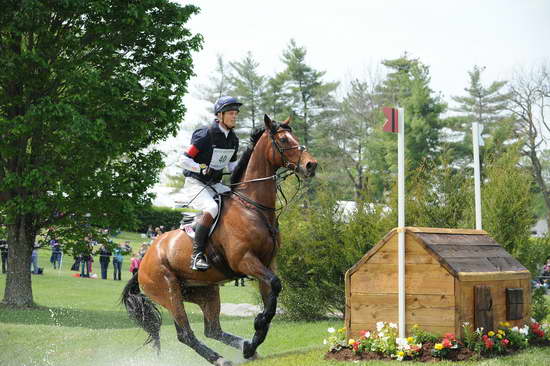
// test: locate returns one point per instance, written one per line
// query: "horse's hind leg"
(208, 298)
(168, 293)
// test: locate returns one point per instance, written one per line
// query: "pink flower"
(450, 336)
(446, 343)
(505, 341)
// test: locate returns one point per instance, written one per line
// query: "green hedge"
(159, 216)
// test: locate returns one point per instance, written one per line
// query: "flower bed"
(384, 344)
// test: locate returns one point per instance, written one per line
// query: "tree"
(486, 105)
(248, 86)
(530, 93)
(309, 97)
(407, 85)
(352, 135)
(86, 88)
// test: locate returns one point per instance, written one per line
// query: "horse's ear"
(268, 122)
(287, 121)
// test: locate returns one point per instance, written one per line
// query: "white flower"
(466, 324)
(515, 329)
(533, 320)
(401, 342)
(393, 325)
(331, 330)
(479, 330)
(524, 330)
(381, 334)
(379, 326)
(367, 335)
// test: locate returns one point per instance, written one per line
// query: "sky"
(348, 39)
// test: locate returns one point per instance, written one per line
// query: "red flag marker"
(391, 124)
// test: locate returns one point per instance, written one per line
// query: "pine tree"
(407, 86)
(486, 105)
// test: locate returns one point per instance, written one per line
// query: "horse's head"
(287, 151)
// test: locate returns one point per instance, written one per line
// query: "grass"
(78, 321)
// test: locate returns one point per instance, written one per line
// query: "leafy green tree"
(86, 88)
(408, 85)
(486, 105)
(248, 86)
(508, 213)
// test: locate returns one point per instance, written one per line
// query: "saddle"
(188, 221)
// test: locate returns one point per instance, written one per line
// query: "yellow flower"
(491, 333)
(499, 336)
(500, 331)
(410, 339)
(351, 341)
(341, 330)
(438, 346)
(401, 353)
(415, 326)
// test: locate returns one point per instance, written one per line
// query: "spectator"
(134, 264)
(157, 232)
(4, 253)
(150, 232)
(34, 259)
(55, 258)
(143, 250)
(85, 259)
(104, 260)
(117, 262)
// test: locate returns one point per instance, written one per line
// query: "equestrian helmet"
(227, 103)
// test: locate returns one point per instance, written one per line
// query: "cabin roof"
(459, 250)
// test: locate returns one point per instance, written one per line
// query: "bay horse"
(244, 243)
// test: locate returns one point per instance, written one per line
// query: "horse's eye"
(284, 140)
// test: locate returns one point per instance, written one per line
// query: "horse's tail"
(142, 311)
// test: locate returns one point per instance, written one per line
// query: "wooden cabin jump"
(452, 276)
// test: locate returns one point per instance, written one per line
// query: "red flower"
(535, 326)
(485, 337)
(362, 333)
(538, 332)
(450, 336)
(505, 341)
(489, 344)
(356, 346)
(446, 343)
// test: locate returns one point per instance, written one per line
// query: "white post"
(401, 220)
(477, 175)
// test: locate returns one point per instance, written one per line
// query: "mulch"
(461, 354)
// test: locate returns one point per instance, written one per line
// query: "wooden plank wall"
(465, 295)
(430, 299)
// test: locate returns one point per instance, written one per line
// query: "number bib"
(220, 158)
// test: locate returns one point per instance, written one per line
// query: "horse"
(244, 243)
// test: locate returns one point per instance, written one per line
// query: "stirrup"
(199, 262)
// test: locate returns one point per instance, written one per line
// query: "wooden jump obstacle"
(452, 276)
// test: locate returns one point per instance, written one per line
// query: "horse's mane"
(238, 173)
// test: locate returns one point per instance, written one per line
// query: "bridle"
(292, 169)
(286, 163)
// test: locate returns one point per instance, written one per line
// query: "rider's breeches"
(201, 197)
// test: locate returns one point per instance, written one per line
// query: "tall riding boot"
(198, 259)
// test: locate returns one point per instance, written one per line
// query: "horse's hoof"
(223, 362)
(248, 351)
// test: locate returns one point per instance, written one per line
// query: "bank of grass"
(78, 321)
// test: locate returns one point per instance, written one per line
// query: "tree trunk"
(18, 291)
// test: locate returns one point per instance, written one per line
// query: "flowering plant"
(336, 339)
(382, 341)
(536, 331)
(448, 343)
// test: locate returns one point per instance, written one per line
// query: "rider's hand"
(205, 169)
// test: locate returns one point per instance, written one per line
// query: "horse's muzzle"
(310, 169)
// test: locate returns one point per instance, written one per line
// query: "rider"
(212, 149)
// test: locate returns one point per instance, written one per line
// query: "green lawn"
(79, 322)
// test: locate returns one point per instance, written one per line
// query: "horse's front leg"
(270, 287)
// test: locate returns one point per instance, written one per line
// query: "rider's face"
(229, 118)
